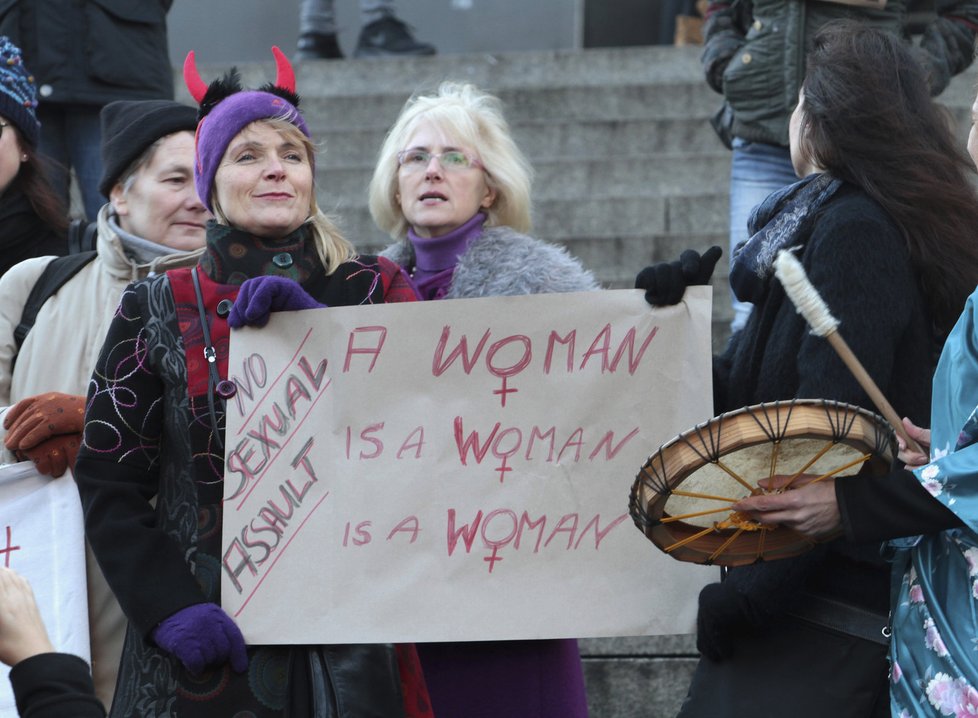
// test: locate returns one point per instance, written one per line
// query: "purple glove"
(260, 296)
(202, 635)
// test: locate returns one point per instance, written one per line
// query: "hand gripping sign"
(457, 470)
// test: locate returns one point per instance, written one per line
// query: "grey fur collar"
(506, 263)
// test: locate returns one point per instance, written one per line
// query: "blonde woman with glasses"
(452, 188)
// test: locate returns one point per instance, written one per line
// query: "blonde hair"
(472, 118)
(332, 247)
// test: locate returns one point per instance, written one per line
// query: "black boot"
(313, 46)
(389, 36)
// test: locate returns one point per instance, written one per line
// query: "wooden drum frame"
(721, 461)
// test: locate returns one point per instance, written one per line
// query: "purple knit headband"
(222, 124)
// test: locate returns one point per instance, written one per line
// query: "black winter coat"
(768, 619)
(754, 52)
(857, 259)
(154, 502)
(91, 52)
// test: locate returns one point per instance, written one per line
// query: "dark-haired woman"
(927, 507)
(33, 219)
(151, 469)
(883, 223)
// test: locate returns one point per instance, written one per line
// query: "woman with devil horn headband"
(155, 425)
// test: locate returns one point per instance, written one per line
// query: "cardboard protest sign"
(42, 538)
(458, 470)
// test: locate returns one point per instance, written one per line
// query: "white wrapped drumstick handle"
(812, 307)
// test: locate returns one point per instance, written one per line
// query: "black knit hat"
(18, 94)
(130, 126)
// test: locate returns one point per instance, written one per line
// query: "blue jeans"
(756, 170)
(71, 137)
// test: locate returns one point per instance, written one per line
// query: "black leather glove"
(720, 621)
(666, 282)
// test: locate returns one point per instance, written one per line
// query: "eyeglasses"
(451, 160)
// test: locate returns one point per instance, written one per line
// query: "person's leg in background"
(373, 10)
(70, 138)
(54, 146)
(317, 31)
(383, 34)
(84, 136)
(756, 170)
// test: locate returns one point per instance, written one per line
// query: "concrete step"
(618, 137)
(641, 677)
(593, 67)
(551, 141)
(556, 104)
(656, 81)
(582, 218)
(619, 83)
(654, 175)
(619, 259)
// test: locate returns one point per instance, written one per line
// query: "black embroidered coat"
(149, 438)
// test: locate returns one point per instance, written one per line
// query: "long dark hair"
(869, 119)
(32, 180)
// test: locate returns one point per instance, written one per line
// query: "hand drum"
(682, 495)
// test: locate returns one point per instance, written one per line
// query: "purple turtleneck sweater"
(435, 257)
(542, 678)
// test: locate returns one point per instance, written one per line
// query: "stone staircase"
(628, 172)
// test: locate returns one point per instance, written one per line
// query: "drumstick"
(813, 308)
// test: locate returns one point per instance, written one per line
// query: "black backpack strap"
(54, 276)
(81, 236)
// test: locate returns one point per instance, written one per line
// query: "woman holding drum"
(933, 665)
(883, 222)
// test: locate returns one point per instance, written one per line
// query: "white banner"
(42, 537)
(458, 470)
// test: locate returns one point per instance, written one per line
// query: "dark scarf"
(778, 222)
(22, 233)
(233, 256)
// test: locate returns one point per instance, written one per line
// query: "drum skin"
(681, 496)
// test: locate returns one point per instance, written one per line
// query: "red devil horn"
(197, 87)
(285, 75)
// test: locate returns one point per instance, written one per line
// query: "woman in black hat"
(154, 222)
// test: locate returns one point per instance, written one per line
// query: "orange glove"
(36, 419)
(55, 455)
